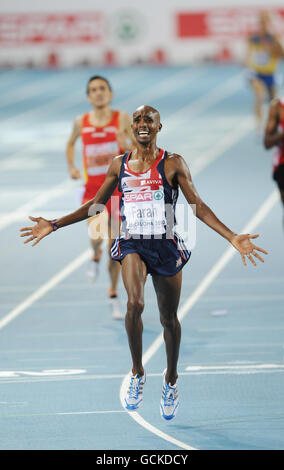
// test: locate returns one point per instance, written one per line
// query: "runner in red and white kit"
(274, 137)
(105, 133)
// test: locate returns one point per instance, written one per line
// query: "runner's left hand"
(245, 247)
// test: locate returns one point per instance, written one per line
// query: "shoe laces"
(169, 395)
(134, 387)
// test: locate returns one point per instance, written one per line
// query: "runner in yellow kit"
(263, 53)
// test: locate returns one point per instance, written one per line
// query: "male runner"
(274, 137)
(105, 133)
(148, 179)
(263, 52)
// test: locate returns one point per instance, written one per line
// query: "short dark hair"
(98, 77)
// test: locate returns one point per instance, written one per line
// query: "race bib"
(145, 212)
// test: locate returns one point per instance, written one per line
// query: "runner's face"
(99, 93)
(146, 124)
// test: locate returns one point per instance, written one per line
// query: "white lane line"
(67, 413)
(53, 193)
(69, 269)
(261, 369)
(240, 367)
(263, 211)
(88, 412)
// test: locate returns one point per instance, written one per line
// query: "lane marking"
(235, 367)
(88, 412)
(8, 376)
(67, 413)
(263, 211)
(42, 373)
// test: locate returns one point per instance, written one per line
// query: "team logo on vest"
(158, 195)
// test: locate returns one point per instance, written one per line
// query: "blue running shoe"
(169, 401)
(134, 395)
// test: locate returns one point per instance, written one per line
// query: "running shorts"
(164, 257)
(267, 80)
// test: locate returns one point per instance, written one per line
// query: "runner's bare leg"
(113, 266)
(168, 295)
(259, 93)
(134, 273)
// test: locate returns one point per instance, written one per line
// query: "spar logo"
(138, 197)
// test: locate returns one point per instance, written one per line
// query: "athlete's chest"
(150, 170)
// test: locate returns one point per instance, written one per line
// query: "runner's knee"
(135, 307)
(169, 320)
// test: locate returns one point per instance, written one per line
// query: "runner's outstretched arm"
(242, 242)
(44, 227)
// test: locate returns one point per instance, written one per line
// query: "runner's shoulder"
(116, 162)
(115, 165)
(174, 159)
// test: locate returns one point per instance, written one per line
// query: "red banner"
(38, 28)
(225, 22)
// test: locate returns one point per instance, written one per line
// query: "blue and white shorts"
(164, 257)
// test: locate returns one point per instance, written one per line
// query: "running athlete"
(105, 133)
(149, 179)
(274, 137)
(263, 53)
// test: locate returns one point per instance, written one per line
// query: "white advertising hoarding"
(121, 32)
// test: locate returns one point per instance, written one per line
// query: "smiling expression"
(146, 124)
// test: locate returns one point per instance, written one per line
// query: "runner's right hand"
(42, 228)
